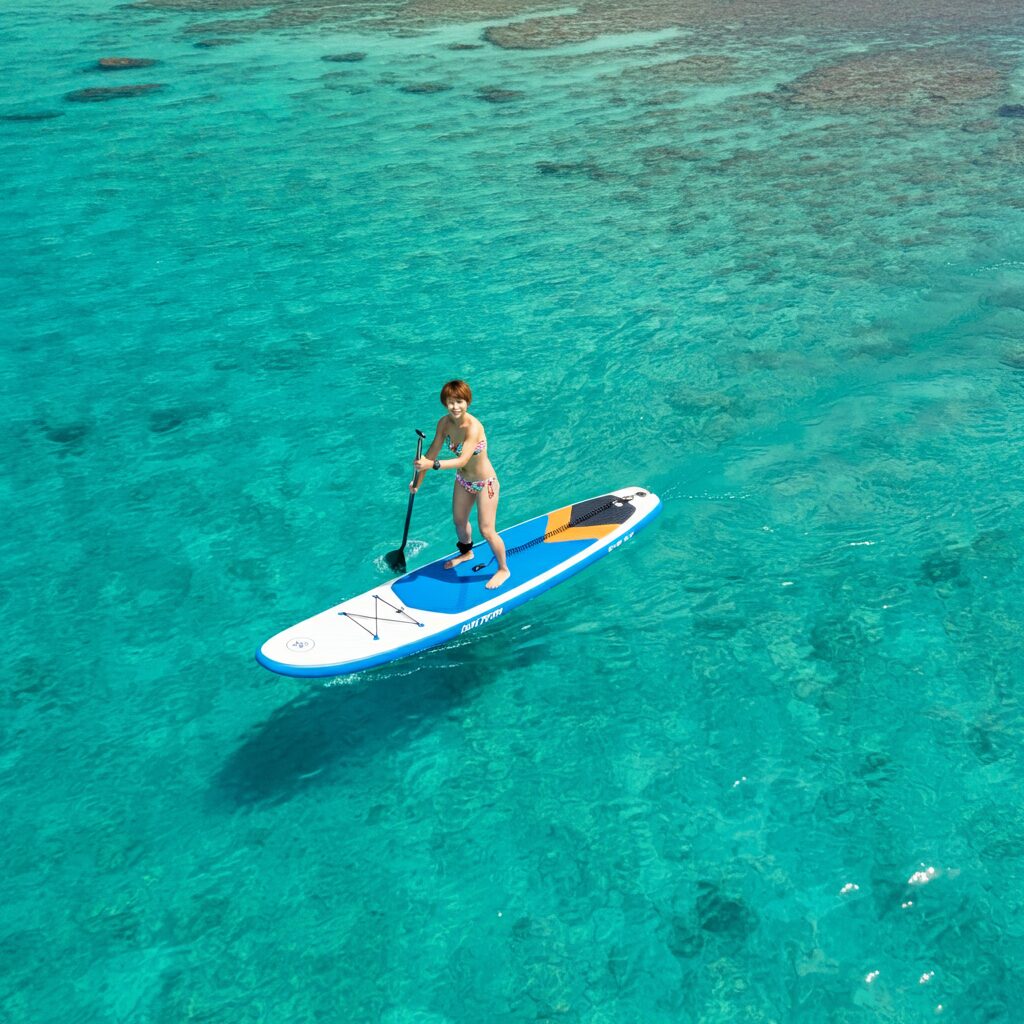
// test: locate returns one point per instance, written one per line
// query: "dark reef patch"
(585, 168)
(657, 154)
(426, 88)
(163, 421)
(697, 69)
(209, 44)
(529, 24)
(344, 58)
(943, 567)
(200, 6)
(986, 124)
(113, 92)
(1007, 298)
(123, 63)
(33, 115)
(67, 435)
(929, 82)
(541, 33)
(492, 94)
(986, 742)
(724, 916)
(1011, 110)
(683, 941)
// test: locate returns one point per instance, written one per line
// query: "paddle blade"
(395, 560)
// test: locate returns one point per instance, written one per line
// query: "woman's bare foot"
(497, 579)
(452, 562)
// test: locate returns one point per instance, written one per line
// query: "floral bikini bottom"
(476, 486)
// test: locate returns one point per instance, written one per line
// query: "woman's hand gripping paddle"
(396, 559)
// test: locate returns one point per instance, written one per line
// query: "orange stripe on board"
(560, 517)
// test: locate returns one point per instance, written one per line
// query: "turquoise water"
(761, 766)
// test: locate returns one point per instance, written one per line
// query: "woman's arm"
(473, 436)
(431, 454)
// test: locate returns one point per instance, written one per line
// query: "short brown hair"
(456, 389)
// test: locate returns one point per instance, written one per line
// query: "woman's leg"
(462, 505)
(486, 515)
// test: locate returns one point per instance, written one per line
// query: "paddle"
(396, 559)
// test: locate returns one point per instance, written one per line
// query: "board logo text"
(481, 620)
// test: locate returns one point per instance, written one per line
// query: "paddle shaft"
(412, 495)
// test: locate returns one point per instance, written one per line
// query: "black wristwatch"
(437, 463)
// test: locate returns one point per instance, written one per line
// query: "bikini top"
(457, 449)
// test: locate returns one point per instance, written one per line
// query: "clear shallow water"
(797, 315)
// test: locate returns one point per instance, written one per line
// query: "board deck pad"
(530, 551)
(431, 604)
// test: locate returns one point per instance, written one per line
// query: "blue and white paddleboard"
(430, 605)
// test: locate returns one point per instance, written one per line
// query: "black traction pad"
(608, 510)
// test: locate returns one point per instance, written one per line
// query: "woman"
(461, 436)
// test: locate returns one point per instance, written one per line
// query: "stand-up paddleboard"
(430, 605)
